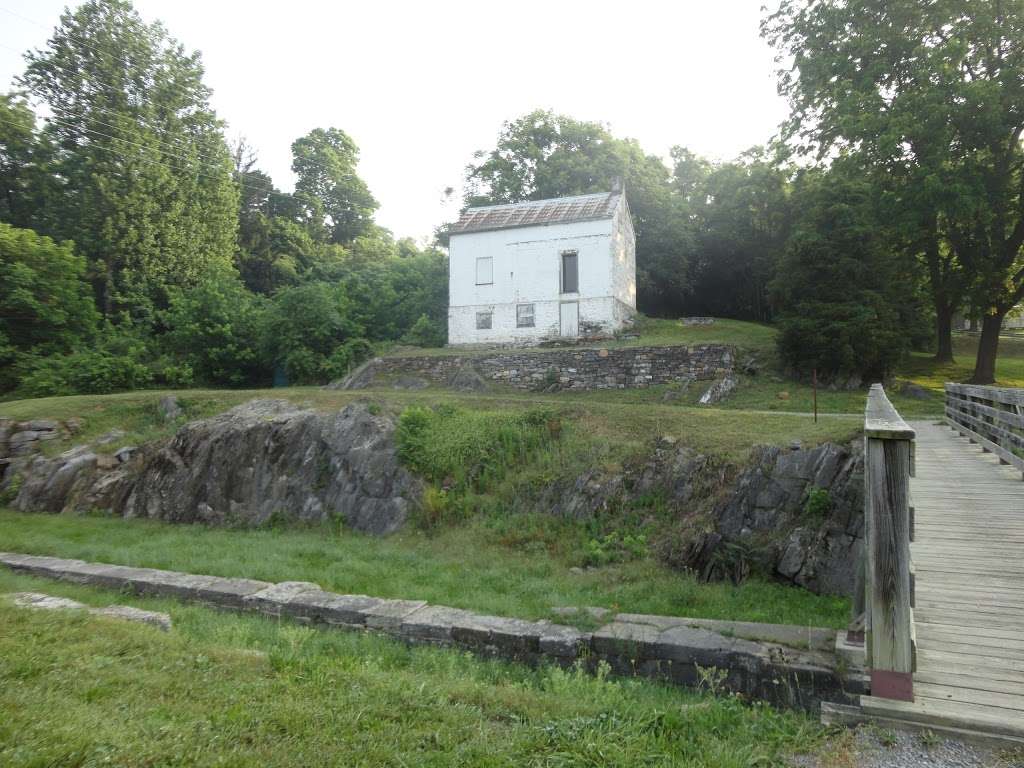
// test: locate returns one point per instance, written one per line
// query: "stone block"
(129, 613)
(433, 623)
(703, 647)
(388, 615)
(562, 642)
(633, 641)
(331, 608)
(272, 599)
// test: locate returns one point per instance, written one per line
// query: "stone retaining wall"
(624, 368)
(661, 647)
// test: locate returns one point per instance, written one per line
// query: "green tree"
(27, 188)
(934, 94)
(838, 289)
(147, 193)
(214, 330)
(45, 306)
(543, 155)
(310, 334)
(336, 199)
(743, 217)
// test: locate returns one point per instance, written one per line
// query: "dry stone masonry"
(788, 666)
(579, 369)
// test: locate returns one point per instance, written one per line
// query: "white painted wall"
(526, 270)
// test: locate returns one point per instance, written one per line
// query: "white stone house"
(525, 272)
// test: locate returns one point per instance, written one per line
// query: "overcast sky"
(421, 85)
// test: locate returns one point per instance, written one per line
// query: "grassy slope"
(222, 689)
(616, 419)
(465, 566)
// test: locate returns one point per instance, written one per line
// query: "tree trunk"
(988, 347)
(944, 332)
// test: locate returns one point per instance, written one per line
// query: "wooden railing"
(992, 417)
(888, 618)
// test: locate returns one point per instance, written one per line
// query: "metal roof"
(532, 213)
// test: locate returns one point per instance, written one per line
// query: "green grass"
(621, 419)
(226, 690)
(649, 331)
(768, 391)
(466, 567)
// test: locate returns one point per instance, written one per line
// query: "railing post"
(889, 616)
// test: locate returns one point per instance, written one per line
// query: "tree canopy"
(934, 94)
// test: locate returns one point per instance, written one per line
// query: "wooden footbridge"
(941, 612)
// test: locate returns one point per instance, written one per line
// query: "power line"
(71, 35)
(92, 108)
(165, 166)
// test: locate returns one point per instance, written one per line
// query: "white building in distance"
(542, 269)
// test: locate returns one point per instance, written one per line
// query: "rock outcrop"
(795, 514)
(261, 463)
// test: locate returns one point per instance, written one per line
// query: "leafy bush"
(116, 362)
(615, 547)
(46, 307)
(310, 331)
(214, 332)
(90, 371)
(426, 333)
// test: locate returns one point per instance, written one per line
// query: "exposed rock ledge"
(262, 462)
(794, 513)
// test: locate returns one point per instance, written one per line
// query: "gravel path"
(869, 746)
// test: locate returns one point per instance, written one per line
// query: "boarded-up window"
(570, 272)
(483, 321)
(484, 271)
(524, 316)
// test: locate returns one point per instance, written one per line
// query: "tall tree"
(841, 296)
(934, 93)
(325, 163)
(542, 155)
(744, 216)
(147, 190)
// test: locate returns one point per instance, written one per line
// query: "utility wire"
(165, 166)
(105, 110)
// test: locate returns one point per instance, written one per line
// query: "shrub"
(46, 307)
(89, 371)
(818, 503)
(310, 331)
(426, 333)
(468, 448)
(214, 332)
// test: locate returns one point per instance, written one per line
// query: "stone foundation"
(799, 674)
(580, 369)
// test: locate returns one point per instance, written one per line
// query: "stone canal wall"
(788, 666)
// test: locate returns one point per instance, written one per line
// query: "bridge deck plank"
(969, 585)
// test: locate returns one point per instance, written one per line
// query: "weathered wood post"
(888, 612)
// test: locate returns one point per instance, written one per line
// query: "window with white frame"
(483, 321)
(524, 316)
(484, 270)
